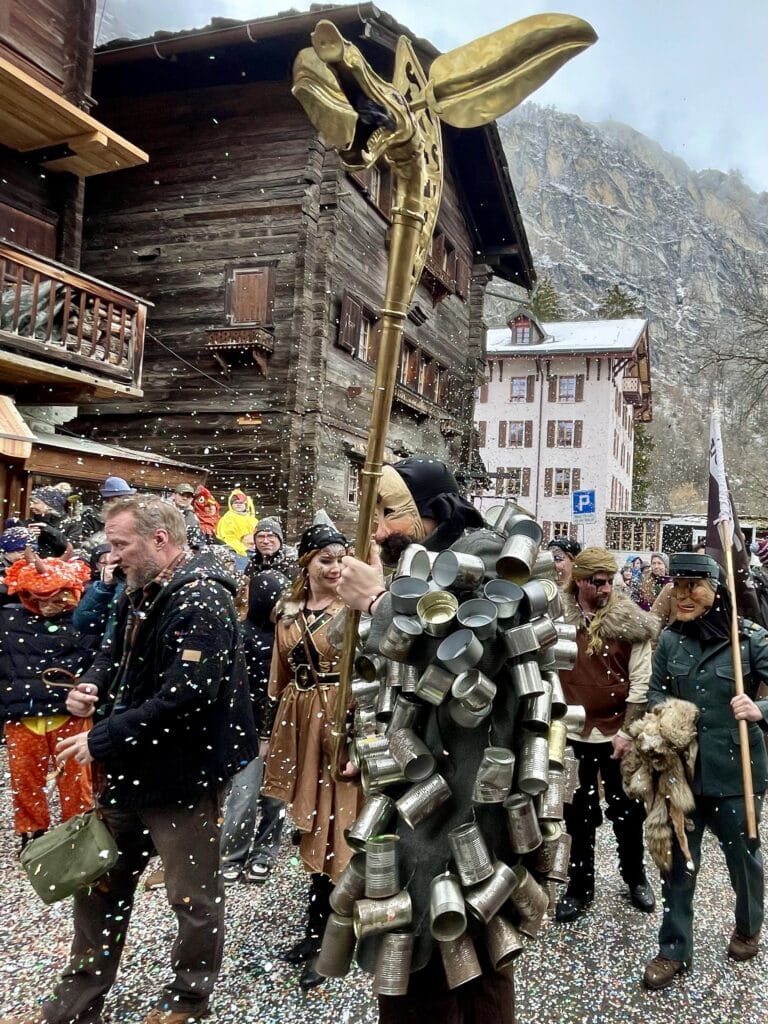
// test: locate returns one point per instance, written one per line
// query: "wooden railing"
(56, 315)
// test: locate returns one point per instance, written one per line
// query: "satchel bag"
(71, 856)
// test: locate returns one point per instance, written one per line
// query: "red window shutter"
(250, 296)
(579, 387)
(575, 479)
(530, 384)
(502, 433)
(550, 433)
(483, 393)
(349, 322)
(482, 428)
(529, 433)
(525, 490)
(578, 428)
(430, 379)
(552, 395)
(548, 482)
(462, 277)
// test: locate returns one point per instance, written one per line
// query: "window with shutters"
(566, 389)
(521, 331)
(561, 528)
(430, 379)
(250, 296)
(565, 433)
(516, 434)
(548, 475)
(410, 366)
(514, 481)
(367, 339)
(518, 389)
(562, 481)
(528, 442)
(482, 430)
(482, 395)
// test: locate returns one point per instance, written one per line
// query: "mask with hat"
(40, 580)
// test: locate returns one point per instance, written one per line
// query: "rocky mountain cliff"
(604, 205)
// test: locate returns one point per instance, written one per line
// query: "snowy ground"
(584, 973)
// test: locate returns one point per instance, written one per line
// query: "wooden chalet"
(265, 264)
(65, 335)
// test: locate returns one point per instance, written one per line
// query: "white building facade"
(557, 415)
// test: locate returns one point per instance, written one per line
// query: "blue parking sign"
(583, 503)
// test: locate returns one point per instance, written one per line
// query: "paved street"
(585, 973)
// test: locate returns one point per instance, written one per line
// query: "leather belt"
(303, 678)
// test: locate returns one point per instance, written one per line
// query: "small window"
(516, 435)
(562, 481)
(565, 433)
(410, 366)
(366, 339)
(250, 296)
(354, 471)
(521, 331)
(518, 389)
(514, 481)
(566, 389)
(560, 528)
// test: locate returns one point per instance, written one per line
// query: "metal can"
(460, 651)
(433, 685)
(503, 941)
(533, 764)
(473, 689)
(371, 917)
(522, 823)
(382, 877)
(399, 637)
(494, 776)
(458, 570)
(412, 754)
(517, 559)
(436, 612)
(460, 961)
(371, 821)
(335, 957)
(480, 615)
(487, 898)
(350, 887)
(406, 592)
(447, 916)
(470, 854)
(393, 964)
(423, 799)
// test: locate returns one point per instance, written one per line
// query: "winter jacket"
(175, 716)
(233, 526)
(258, 633)
(30, 643)
(284, 560)
(92, 614)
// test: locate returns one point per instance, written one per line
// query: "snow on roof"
(569, 336)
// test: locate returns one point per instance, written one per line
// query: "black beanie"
(436, 495)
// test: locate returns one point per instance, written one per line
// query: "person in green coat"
(694, 662)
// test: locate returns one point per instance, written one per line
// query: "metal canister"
(575, 718)
(460, 961)
(447, 916)
(551, 800)
(566, 631)
(487, 898)
(522, 823)
(561, 859)
(385, 704)
(371, 917)
(535, 600)
(404, 714)
(571, 775)
(382, 877)
(423, 799)
(437, 612)
(526, 526)
(544, 567)
(470, 854)
(556, 737)
(506, 596)
(520, 640)
(371, 821)
(559, 705)
(546, 659)
(416, 561)
(458, 570)
(473, 689)
(529, 899)
(566, 652)
(533, 764)
(480, 615)
(363, 631)
(378, 771)
(494, 776)
(410, 679)
(544, 857)
(393, 964)
(399, 637)
(406, 591)
(466, 717)
(554, 600)
(460, 651)
(350, 887)
(536, 711)
(364, 746)
(434, 684)
(526, 678)
(364, 722)
(335, 957)
(502, 518)
(545, 631)
(365, 692)
(370, 666)
(503, 941)
(517, 559)
(412, 754)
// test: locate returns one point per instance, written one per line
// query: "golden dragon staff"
(368, 119)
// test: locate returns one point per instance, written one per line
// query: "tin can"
(466, 717)
(460, 651)
(503, 518)
(506, 596)
(480, 615)
(520, 641)
(561, 859)
(447, 916)
(335, 957)
(526, 678)
(406, 592)
(412, 754)
(460, 961)
(575, 718)
(371, 821)
(522, 823)
(559, 706)
(517, 559)
(437, 612)
(494, 776)
(423, 799)
(365, 692)
(535, 600)
(470, 854)
(370, 666)
(434, 684)
(393, 964)
(487, 898)
(405, 713)
(379, 771)
(364, 722)
(530, 900)
(503, 941)
(570, 775)
(458, 570)
(363, 631)
(566, 631)
(473, 689)
(381, 870)
(385, 704)
(536, 711)
(410, 678)
(399, 637)
(544, 567)
(554, 600)
(350, 887)
(371, 917)
(545, 631)
(364, 746)
(544, 856)
(416, 561)
(566, 652)
(533, 764)
(526, 526)
(556, 738)
(551, 800)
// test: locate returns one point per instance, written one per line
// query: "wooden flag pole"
(746, 765)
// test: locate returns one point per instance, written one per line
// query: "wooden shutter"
(552, 395)
(430, 379)
(546, 529)
(548, 474)
(349, 323)
(33, 233)
(528, 431)
(502, 433)
(579, 387)
(250, 296)
(573, 531)
(578, 429)
(530, 385)
(500, 480)
(463, 272)
(525, 489)
(551, 428)
(483, 393)
(575, 479)
(482, 428)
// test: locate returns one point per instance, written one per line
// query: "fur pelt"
(621, 619)
(658, 770)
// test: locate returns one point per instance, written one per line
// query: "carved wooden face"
(694, 597)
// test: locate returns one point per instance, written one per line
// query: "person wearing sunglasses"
(610, 679)
(564, 550)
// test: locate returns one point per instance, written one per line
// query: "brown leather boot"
(660, 971)
(743, 947)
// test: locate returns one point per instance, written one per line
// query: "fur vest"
(620, 620)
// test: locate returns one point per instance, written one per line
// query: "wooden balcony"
(76, 335)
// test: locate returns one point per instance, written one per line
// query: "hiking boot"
(569, 908)
(231, 873)
(660, 971)
(743, 947)
(170, 1017)
(155, 880)
(309, 978)
(303, 950)
(641, 897)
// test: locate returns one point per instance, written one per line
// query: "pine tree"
(546, 305)
(617, 305)
(642, 467)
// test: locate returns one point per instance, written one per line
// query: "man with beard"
(172, 723)
(610, 680)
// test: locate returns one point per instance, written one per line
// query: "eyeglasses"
(599, 582)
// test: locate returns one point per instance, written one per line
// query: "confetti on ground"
(587, 972)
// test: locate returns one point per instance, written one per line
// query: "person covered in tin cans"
(443, 817)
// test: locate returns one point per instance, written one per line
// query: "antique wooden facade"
(266, 263)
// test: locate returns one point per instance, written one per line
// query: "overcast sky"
(691, 74)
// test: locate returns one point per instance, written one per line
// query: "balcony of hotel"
(66, 333)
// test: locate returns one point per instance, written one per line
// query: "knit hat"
(270, 524)
(566, 545)
(15, 538)
(320, 536)
(662, 556)
(52, 497)
(45, 577)
(116, 487)
(592, 560)
(760, 548)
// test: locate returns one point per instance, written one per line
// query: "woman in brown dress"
(304, 679)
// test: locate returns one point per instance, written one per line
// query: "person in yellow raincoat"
(238, 523)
